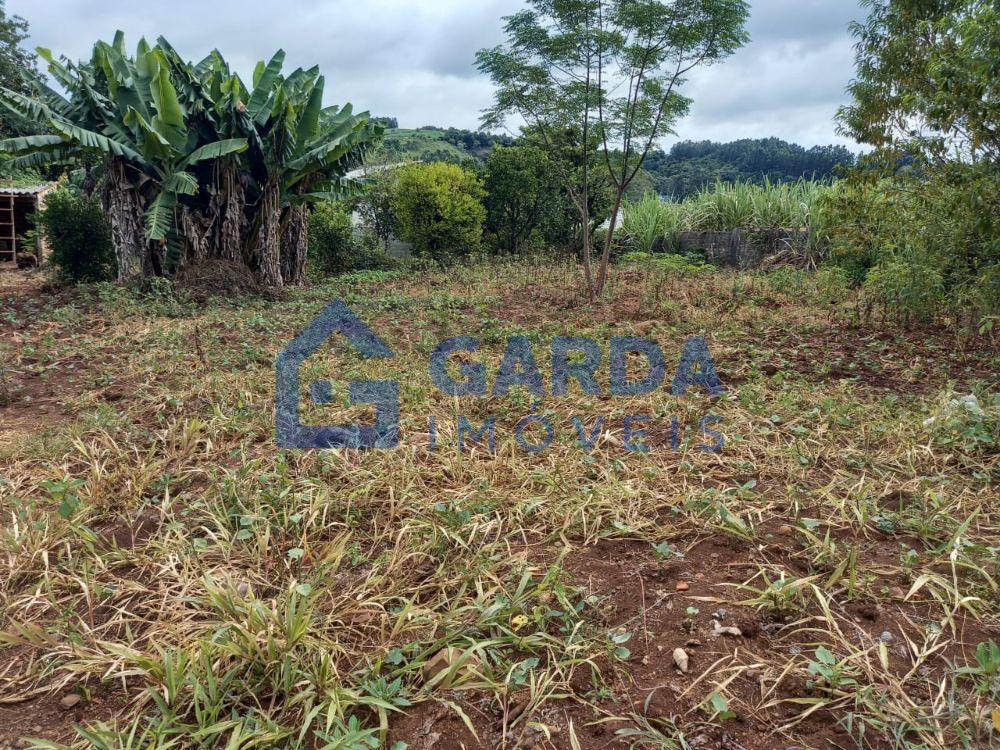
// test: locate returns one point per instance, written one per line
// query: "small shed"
(17, 205)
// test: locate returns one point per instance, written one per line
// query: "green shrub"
(925, 243)
(79, 236)
(438, 210)
(526, 206)
(906, 286)
(331, 239)
(335, 247)
(857, 219)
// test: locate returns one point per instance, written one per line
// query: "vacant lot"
(171, 578)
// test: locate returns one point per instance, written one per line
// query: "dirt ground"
(665, 580)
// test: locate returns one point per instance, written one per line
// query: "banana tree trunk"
(294, 245)
(232, 207)
(268, 236)
(196, 230)
(124, 207)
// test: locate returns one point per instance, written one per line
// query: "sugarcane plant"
(197, 166)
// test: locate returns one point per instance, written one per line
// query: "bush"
(375, 205)
(526, 205)
(331, 239)
(438, 210)
(336, 248)
(924, 243)
(76, 230)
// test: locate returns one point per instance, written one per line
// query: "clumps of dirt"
(214, 279)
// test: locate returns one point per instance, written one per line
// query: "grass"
(196, 587)
(724, 207)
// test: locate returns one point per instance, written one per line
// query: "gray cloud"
(415, 60)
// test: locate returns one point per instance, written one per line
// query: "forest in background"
(679, 172)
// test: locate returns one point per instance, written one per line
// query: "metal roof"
(32, 190)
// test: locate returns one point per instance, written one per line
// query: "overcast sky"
(413, 59)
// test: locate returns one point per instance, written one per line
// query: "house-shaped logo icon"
(336, 318)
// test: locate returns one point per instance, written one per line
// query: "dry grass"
(197, 587)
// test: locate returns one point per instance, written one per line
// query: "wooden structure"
(17, 205)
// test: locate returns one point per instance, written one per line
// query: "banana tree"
(197, 165)
(128, 111)
(299, 151)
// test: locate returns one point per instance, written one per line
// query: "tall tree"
(928, 78)
(15, 62)
(610, 69)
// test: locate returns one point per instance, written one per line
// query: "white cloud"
(415, 60)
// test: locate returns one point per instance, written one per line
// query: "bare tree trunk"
(123, 204)
(602, 272)
(588, 270)
(267, 240)
(295, 245)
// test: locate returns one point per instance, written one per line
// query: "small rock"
(681, 659)
(69, 701)
(886, 637)
(682, 586)
(718, 630)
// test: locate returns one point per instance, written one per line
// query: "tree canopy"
(15, 62)
(928, 78)
(606, 68)
(691, 165)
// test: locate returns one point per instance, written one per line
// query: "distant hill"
(439, 144)
(690, 165)
(680, 172)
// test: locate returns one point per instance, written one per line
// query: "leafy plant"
(438, 209)
(77, 232)
(986, 672)
(197, 166)
(828, 672)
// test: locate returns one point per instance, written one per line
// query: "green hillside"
(439, 144)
